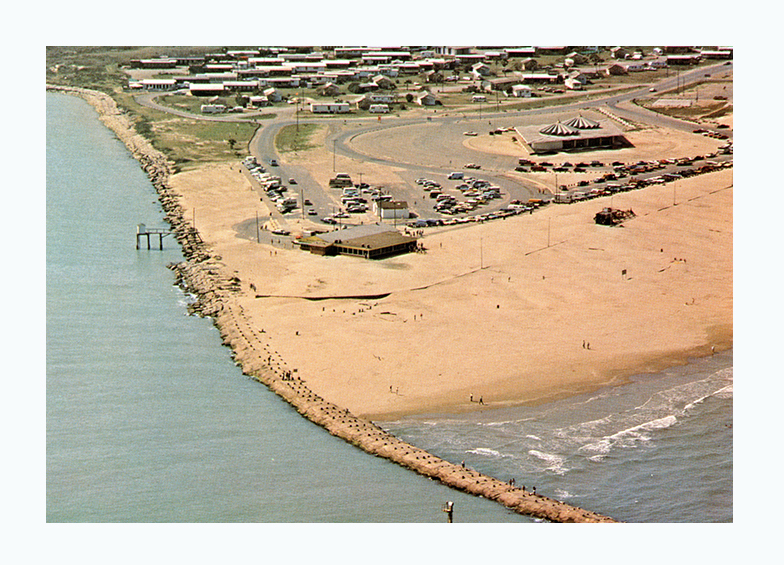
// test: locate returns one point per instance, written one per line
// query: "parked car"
(273, 162)
(470, 133)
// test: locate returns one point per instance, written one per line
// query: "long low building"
(573, 135)
(371, 241)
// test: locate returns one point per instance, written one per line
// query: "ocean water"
(149, 420)
(147, 417)
(656, 450)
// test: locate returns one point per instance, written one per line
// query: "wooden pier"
(144, 231)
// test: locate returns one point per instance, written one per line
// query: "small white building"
(378, 109)
(158, 84)
(329, 107)
(381, 98)
(521, 91)
(258, 101)
(212, 108)
(391, 209)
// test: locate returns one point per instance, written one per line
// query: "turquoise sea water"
(149, 420)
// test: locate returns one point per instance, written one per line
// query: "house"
(374, 99)
(241, 85)
(521, 91)
(619, 53)
(538, 77)
(206, 89)
(382, 82)
(258, 101)
(529, 64)
(579, 76)
(391, 209)
(424, 98)
(160, 63)
(378, 109)
(615, 70)
(683, 59)
(272, 95)
(520, 51)
(158, 84)
(573, 84)
(329, 89)
(480, 69)
(577, 58)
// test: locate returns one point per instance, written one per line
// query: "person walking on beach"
(480, 401)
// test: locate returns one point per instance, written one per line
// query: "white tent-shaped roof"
(558, 129)
(582, 123)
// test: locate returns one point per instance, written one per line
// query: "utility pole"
(334, 149)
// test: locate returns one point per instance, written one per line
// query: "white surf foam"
(554, 462)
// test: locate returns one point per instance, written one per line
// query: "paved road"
(445, 151)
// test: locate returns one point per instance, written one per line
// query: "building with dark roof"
(371, 241)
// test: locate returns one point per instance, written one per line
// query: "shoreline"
(203, 274)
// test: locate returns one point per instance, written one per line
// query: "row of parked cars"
(272, 185)
(635, 183)
(514, 208)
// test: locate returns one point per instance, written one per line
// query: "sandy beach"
(490, 311)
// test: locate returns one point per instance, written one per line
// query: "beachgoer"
(480, 400)
(471, 397)
(534, 490)
(462, 464)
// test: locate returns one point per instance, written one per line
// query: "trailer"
(329, 107)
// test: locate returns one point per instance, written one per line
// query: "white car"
(470, 133)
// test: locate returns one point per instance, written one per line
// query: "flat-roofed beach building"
(371, 241)
(573, 135)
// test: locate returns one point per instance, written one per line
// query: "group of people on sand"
(481, 400)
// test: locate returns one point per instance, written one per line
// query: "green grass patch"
(189, 142)
(292, 138)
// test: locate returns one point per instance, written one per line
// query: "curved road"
(262, 146)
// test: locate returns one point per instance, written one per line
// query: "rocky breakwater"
(216, 292)
(218, 295)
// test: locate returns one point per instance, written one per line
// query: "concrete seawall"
(217, 290)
